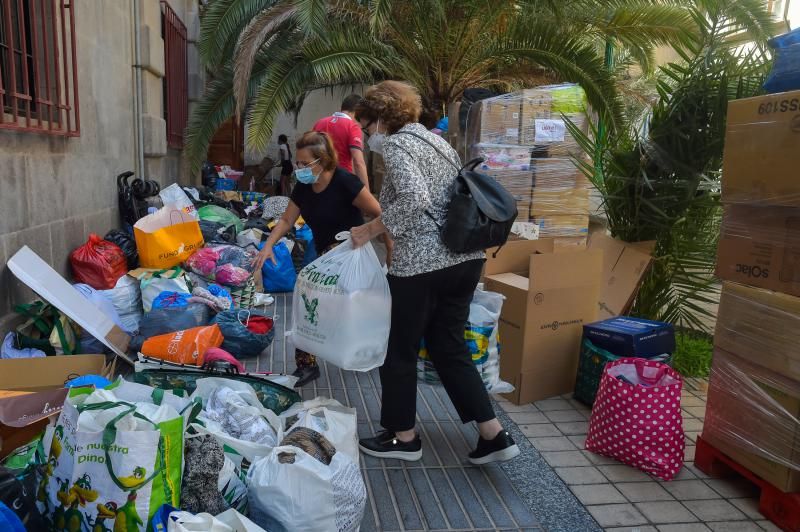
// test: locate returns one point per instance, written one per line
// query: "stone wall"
(54, 191)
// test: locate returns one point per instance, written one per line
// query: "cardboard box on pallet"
(760, 326)
(573, 201)
(546, 306)
(761, 156)
(544, 114)
(760, 246)
(752, 416)
(562, 225)
(499, 120)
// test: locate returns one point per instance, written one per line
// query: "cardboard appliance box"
(760, 326)
(541, 322)
(751, 416)
(630, 337)
(624, 266)
(761, 150)
(760, 246)
(40, 277)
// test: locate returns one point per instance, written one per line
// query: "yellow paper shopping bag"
(167, 238)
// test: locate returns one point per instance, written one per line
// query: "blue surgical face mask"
(305, 175)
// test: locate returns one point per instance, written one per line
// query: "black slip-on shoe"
(305, 375)
(386, 445)
(500, 449)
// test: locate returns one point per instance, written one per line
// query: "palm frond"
(380, 12)
(257, 33)
(222, 22)
(571, 58)
(344, 56)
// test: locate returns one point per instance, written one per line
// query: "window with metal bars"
(176, 74)
(38, 67)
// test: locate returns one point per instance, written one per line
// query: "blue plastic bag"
(279, 277)
(785, 74)
(160, 519)
(171, 300)
(305, 234)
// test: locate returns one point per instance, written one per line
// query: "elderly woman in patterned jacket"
(431, 286)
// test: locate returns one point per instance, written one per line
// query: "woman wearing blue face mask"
(330, 200)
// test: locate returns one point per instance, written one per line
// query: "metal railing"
(176, 95)
(38, 67)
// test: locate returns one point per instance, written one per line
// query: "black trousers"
(435, 306)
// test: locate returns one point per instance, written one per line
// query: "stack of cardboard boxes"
(526, 145)
(754, 392)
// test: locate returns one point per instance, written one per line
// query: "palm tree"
(268, 54)
(664, 184)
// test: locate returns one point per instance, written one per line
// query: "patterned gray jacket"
(418, 179)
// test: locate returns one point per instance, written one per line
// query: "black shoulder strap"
(432, 145)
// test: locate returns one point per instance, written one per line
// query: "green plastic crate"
(592, 362)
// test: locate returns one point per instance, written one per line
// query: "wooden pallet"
(783, 509)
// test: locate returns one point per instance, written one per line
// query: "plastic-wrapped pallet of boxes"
(526, 145)
(753, 410)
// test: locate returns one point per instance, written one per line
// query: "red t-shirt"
(345, 133)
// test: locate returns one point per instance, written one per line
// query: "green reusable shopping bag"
(46, 329)
(119, 468)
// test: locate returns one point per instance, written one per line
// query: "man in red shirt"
(348, 139)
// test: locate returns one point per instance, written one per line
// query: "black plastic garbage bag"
(127, 244)
(18, 490)
(240, 341)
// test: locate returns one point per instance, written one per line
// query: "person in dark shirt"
(330, 200)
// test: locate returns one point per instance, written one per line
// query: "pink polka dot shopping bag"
(637, 419)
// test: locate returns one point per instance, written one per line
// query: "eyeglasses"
(304, 164)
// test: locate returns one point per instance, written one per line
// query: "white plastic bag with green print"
(341, 310)
(112, 463)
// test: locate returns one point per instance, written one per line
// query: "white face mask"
(375, 141)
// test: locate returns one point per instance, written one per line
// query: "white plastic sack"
(152, 286)
(227, 521)
(481, 334)
(231, 484)
(100, 300)
(290, 491)
(341, 310)
(247, 406)
(484, 310)
(330, 418)
(126, 297)
(175, 195)
(7, 350)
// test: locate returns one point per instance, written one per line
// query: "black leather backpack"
(480, 213)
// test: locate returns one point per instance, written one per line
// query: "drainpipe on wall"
(138, 126)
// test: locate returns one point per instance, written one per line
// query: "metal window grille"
(38, 67)
(176, 96)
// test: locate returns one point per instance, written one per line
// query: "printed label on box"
(548, 130)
